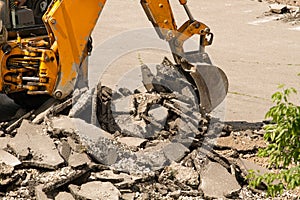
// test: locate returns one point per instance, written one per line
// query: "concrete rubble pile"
(146, 144)
(285, 11)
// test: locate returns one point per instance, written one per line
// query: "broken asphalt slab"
(217, 182)
(99, 143)
(34, 147)
(95, 190)
(9, 159)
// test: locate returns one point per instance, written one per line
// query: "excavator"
(45, 46)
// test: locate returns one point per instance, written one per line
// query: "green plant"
(283, 150)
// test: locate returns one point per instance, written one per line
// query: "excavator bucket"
(210, 81)
(212, 86)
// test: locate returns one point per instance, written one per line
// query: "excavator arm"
(159, 12)
(209, 81)
(70, 24)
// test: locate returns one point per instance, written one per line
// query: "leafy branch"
(283, 150)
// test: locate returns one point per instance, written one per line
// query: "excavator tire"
(28, 101)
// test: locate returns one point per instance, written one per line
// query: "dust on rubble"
(145, 144)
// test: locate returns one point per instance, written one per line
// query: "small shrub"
(283, 150)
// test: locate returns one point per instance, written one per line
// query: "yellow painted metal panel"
(71, 23)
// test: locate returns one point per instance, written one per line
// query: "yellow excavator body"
(49, 64)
